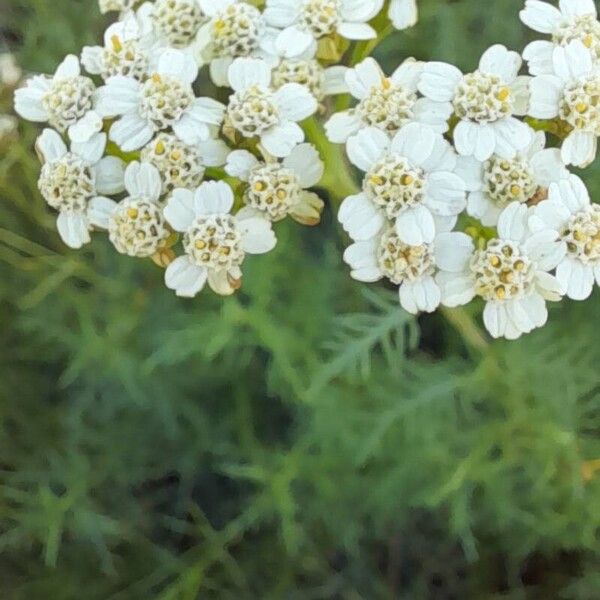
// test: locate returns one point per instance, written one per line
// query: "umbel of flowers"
(462, 190)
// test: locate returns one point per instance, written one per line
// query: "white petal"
(439, 81)
(367, 147)
(457, 289)
(364, 77)
(257, 234)
(99, 210)
(576, 279)
(480, 206)
(577, 8)
(213, 152)
(579, 149)
(295, 102)
(528, 313)
(415, 226)
(281, 139)
(68, 68)
(453, 251)
(408, 74)
(219, 70)
(540, 16)
(443, 157)
(539, 55)
(185, 278)
(445, 194)
(213, 198)
(495, 318)
(434, 114)
(73, 228)
(28, 99)
(512, 224)
(142, 180)
(548, 166)
(120, 95)
(470, 170)
(179, 210)
(334, 81)
(421, 295)
(356, 31)
(131, 132)
(247, 72)
(497, 60)
(475, 139)
(362, 259)
(572, 62)
(191, 131)
(571, 193)
(91, 59)
(92, 150)
(360, 218)
(403, 13)
(51, 146)
(548, 286)
(306, 163)
(87, 127)
(415, 142)
(512, 136)
(293, 42)
(545, 94)
(178, 65)
(342, 125)
(281, 13)
(109, 175)
(240, 163)
(520, 93)
(360, 10)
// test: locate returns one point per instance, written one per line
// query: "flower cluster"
(465, 190)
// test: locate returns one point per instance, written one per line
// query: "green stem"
(460, 319)
(338, 179)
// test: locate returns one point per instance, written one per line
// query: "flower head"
(164, 101)
(255, 110)
(73, 183)
(409, 181)
(215, 241)
(570, 212)
(484, 101)
(387, 103)
(278, 189)
(66, 101)
(495, 183)
(571, 93)
(572, 20)
(510, 273)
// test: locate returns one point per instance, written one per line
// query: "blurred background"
(306, 439)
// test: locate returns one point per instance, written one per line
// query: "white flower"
(387, 103)
(412, 268)
(136, 225)
(256, 110)
(236, 29)
(166, 100)
(176, 23)
(496, 182)
(72, 182)
(214, 240)
(409, 180)
(511, 273)
(10, 71)
(182, 165)
(484, 101)
(306, 21)
(403, 13)
(277, 189)
(65, 101)
(573, 20)
(571, 93)
(569, 212)
(125, 51)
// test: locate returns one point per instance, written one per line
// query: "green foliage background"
(306, 439)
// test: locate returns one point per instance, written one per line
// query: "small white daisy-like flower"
(304, 22)
(278, 189)
(176, 23)
(236, 29)
(215, 241)
(182, 165)
(511, 273)
(412, 268)
(10, 71)
(255, 110)
(572, 20)
(409, 180)
(136, 225)
(164, 101)
(485, 102)
(403, 13)
(387, 103)
(65, 101)
(73, 181)
(496, 182)
(571, 93)
(570, 212)
(125, 51)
